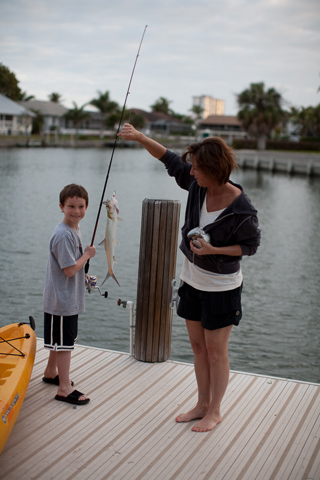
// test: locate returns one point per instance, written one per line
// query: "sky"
(190, 48)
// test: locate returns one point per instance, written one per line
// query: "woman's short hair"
(214, 157)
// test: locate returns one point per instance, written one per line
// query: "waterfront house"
(159, 122)
(55, 122)
(52, 113)
(227, 127)
(15, 119)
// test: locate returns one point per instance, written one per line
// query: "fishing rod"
(113, 149)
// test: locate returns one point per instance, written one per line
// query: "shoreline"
(306, 163)
(170, 141)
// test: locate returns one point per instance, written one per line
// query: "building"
(52, 113)
(54, 120)
(15, 119)
(210, 105)
(225, 126)
(159, 122)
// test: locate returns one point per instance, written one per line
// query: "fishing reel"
(196, 233)
(91, 285)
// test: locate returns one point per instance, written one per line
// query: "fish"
(110, 240)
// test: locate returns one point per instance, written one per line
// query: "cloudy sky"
(202, 47)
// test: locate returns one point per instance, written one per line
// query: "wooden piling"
(157, 266)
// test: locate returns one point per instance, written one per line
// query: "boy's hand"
(90, 250)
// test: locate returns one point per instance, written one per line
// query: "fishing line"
(113, 149)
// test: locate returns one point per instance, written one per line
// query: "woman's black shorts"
(213, 309)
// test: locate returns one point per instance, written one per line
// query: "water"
(279, 332)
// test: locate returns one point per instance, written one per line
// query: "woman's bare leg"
(217, 350)
(202, 371)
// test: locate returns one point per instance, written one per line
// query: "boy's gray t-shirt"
(64, 296)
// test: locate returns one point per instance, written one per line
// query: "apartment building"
(210, 105)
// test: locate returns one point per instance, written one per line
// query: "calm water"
(279, 333)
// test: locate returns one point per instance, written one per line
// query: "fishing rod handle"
(86, 268)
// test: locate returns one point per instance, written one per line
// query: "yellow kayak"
(17, 354)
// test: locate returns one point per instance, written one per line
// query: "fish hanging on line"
(110, 240)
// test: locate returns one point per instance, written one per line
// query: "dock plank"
(270, 428)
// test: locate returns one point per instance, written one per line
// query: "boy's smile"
(74, 210)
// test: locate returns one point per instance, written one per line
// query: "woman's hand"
(128, 132)
(155, 149)
(208, 249)
(205, 249)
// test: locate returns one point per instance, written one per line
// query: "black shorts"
(60, 333)
(213, 309)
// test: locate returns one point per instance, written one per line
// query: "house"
(159, 122)
(225, 126)
(15, 119)
(52, 113)
(54, 119)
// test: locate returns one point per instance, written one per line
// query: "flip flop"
(73, 398)
(54, 381)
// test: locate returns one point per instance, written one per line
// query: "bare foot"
(193, 414)
(207, 423)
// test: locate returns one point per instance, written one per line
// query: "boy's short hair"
(73, 190)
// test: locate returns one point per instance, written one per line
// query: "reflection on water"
(279, 333)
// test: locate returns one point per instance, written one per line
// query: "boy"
(64, 292)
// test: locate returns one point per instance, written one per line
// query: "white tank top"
(203, 279)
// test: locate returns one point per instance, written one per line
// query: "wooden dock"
(270, 429)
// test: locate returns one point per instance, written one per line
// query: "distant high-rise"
(210, 105)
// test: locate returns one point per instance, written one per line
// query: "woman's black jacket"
(237, 225)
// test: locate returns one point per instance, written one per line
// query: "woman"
(210, 292)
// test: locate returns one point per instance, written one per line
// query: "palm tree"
(38, 122)
(54, 97)
(260, 111)
(77, 115)
(162, 105)
(105, 106)
(308, 118)
(24, 97)
(197, 110)
(136, 119)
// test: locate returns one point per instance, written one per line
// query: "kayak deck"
(17, 354)
(270, 427)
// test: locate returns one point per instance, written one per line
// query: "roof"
(220, 120)
(46, 108)
(157, 116)
(9, 107)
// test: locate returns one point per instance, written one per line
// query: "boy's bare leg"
(63, 364)
(51, 370)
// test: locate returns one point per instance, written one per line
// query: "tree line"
(261, 111)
